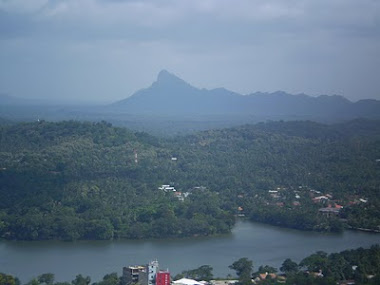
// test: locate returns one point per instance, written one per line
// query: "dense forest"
(356, 266)
(73, 180)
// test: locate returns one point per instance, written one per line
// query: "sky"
(105, 50)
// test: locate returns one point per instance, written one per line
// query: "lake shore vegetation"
(355, 266)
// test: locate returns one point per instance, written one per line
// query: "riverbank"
(264, 244)
(363, 230)
(360, 267)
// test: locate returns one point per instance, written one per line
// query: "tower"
(152, 269)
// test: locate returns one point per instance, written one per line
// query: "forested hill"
(269, 154)
(72, 180)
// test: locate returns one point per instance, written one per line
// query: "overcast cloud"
(105, 50)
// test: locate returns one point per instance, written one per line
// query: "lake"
(264, 244)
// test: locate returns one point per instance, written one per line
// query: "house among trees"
(329, 212)
(320, 199)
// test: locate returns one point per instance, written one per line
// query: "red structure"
(163, 278)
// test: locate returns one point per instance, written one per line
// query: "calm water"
(262, 243)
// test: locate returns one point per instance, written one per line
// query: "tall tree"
(81, 280)
(46, 279)
(289, 266)
(243, 268)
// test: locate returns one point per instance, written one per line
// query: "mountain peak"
(163, 74)
(165, 77)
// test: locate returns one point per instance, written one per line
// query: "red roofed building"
(163, 278)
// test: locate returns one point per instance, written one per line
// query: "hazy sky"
(107, 49)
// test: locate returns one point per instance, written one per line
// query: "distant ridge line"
(170, 94)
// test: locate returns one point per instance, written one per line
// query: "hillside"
(71, 180)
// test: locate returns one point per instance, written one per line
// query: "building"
(167, 188)
(320, 199)
(151, 269)
(148, 274)
(329, 212)
(133, 274)
(163, 278)
(186, 281)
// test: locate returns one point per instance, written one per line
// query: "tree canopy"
(78, 180)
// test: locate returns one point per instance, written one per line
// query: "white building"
(152, 269)
(186, 281)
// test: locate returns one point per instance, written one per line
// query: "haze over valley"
(172, 106)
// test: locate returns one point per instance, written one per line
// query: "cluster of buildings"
(303, 196)
(296, 197)
(181, 196)
(171, 189)
(148, 274)
(279, 279)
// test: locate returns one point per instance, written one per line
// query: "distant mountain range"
(171, 106)
(170, 95)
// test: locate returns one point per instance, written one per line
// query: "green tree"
(289, 266)
(81, 280)
(203, 272)
(109, 279)
(243, 268)
(315, 262)
(266, 269)
(34, 281)
(46, 278)
(6, 279)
